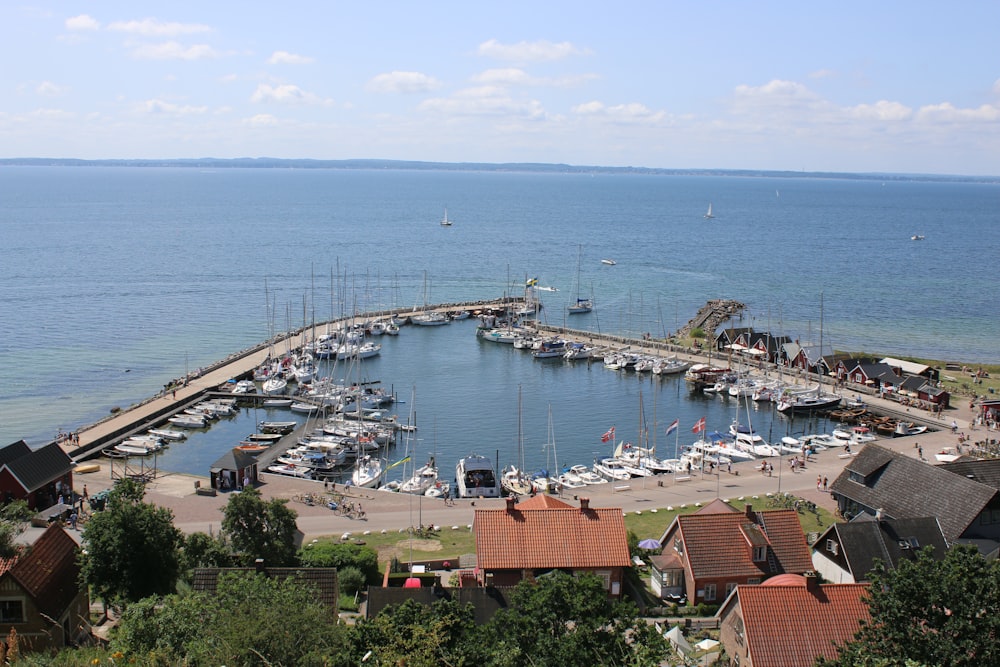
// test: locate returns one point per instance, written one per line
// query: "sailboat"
(708, 214)
(428, 318)
(582, 305)
(512, 479)
(445, 222)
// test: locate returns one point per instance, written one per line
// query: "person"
(246, 481)
(819, 482)
(954, 426)
(72, 520)
(920, 452)
(825, 482)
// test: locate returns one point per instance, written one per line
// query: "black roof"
(903, 487)
(13, 451)
(986, 471)
(890, 540)
(36, 469)
(234, 459)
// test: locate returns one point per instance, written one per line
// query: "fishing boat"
(446, 221)
(476, 478)
(708, 213)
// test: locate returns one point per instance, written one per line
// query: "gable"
(38, 468)
(49, 572)
(14, 451)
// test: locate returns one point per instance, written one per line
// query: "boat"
(367, 472)
(274, 385)
(512, 478)
(476, 478)
(278, 402)
(187, 421)
(167, 434)
(708, 214)
(612, 469)
(445, 221)
(422, 480)
(264, 437)
(917, 237)
(582, 305)
(609, 262)
(244, 387)
(303, 472)
(253, 447)
(440, 489)
(550, 349)
(586, 475)
(909, 428)
(428, 318)
(278, 427)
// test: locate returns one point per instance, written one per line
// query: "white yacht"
(476, 478)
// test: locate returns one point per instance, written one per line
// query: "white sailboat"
(582, 305)
(513, 479)
(445, 222)
(708, 214)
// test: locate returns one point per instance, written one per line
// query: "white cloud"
(52, 114)
(947, 113)
(262, 120)
(154, 28)
(484, 101)
(286, 58)
(514, 76)
(881, 110)
(157, 106)
(174, 51)
(539, 51)
(402, 82)
(82, 22)
(633, 112)
(822, 74)
(286, 94)
(49, 89)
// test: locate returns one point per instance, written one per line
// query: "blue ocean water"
(118, 279)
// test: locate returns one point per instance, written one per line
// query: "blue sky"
(890, 86)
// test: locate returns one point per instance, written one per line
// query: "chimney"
(259, 565)
(584, 504)
(812, 582)
(748, 508)
(511, 501)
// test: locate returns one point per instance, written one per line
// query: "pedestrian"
(819, 482)
(72, 520)
(173, 393)
(825, 481)
(246, 481)
(729, 467)
(920, 453)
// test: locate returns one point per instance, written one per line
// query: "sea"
(117, 280)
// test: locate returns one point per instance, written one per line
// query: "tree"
(14, 518)
(260, 529)
(418, 635)
(559, 619)
(251, 620)
(930, 612)
(341, 555)
(130, 548)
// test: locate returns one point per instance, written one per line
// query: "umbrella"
(649, 543)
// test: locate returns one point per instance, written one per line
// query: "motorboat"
(578, 351)
(277, 403)
(187, 421)
(476, 478)
(440, 489)
(608, 262)
(245, 387)
(550, 349)
(908, 428)
(303, 472)
(612, 469)
(431, 318)
(167, 434)
(669, 366)
(278, 427)
(586, 475)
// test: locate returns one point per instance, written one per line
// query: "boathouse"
(232, 468)
(38, 477)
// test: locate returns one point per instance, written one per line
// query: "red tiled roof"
(49, 571)
(719, 544)
(787, 626)
(547, 533)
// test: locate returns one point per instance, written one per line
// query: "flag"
(673, 426)
(609, 435)
(401, 461)
(531, 282)
(699, 426)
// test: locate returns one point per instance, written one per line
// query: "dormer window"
(832, 547)
(759, 554)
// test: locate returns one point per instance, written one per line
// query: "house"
(528, 539)
(892, 485)
(41, 596)
(903, 367)
(708, 553)
(322, 579)
(790, 621)
(232, 469)
(37, 476)
(846, 552)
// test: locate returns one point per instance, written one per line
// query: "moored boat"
(476, 478)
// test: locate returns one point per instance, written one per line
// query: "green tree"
(131, 548)
(14, 518)
(559, 619)
(251, 620)
(203, 550)
(930, 612)
(259, 528)
(419, 635)
(341, 555)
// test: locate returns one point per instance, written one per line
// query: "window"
(679, 545)
(709, 592)
(759, 554)
(11, 611)
(673, 578)
(832, 547)
(605, 576)
(729, 588)
(753, 581)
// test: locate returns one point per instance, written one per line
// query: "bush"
(351, 580)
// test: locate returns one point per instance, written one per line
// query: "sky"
(889, 86)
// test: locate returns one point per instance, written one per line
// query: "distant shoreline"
(526, 167)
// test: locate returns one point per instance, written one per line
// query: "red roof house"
(41, 595)
(718, 547)
(528, 539)
(790, 620)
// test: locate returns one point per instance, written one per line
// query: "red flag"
(699, 426)
(609, 435)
